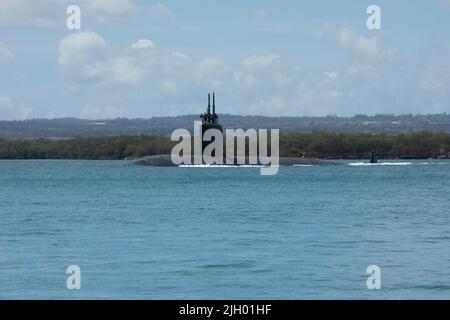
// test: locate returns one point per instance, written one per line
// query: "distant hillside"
(70, 127)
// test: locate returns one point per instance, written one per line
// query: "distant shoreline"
(133, 160)
(68, 128)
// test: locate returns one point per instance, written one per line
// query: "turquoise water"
(224, 233)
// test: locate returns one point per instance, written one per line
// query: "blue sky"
(136, 58)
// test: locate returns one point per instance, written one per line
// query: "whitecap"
(363, 164)
(218, 166)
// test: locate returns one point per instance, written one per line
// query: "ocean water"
(224, 233)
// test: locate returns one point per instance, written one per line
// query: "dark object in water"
(373, 158)
(211, 121)
(164, 160)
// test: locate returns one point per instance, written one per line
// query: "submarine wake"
(367, 164)
(219, 166)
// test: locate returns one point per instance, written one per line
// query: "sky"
(138, 59)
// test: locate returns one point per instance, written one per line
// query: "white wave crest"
(218, 166)
(364, 164)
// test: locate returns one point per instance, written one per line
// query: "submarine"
(210, 120)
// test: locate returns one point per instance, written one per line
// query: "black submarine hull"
(164, 160)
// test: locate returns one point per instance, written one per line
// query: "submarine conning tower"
(210, 120)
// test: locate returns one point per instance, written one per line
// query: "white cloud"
(319, 94)
(80, 47)
(6, 56)
(270, 105)
(10, 111)
(365, 47)
(332, 75)
(180, 56)
(265, 84)
(143, 44)
(82, 55)
(85, 59)
(358, 68)
(260, 61)
(212, 73)
(124, 70)
(272, 87)
(5, 102)
(263, 72)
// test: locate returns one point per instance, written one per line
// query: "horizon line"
(236, 115)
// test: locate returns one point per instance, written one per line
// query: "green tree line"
(421, 145)
(89, 148)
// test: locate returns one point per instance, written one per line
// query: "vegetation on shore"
(421, 145)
